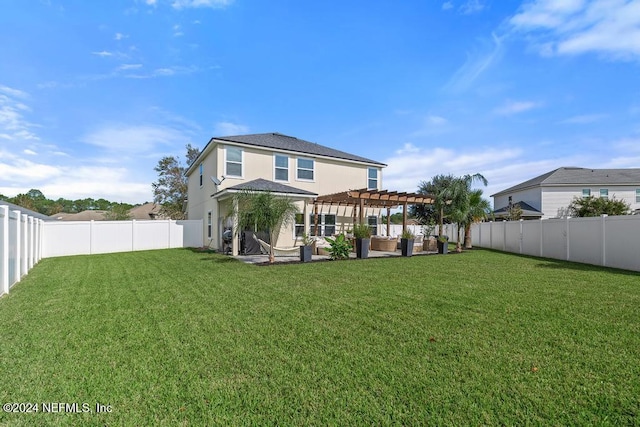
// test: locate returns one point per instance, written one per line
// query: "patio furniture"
(387, 244)
(293, 251)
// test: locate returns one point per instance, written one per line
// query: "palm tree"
(262, 210)
(478, 210)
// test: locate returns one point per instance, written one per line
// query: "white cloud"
(471, 6)
(436, 120)
(29, 152)
(136, 139)
(120, 36)
(129, 67)
(447, 5)
(228, 128)
(151, 2)
(572, 27)
(515, 107)
(102, 53)
(216, 4)
(13, 124)
(164, 72)
(475, 65)
(584, 119)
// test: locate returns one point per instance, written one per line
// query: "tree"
(479, 208)
(596, 206)
(440, 188)
(170, 190)
(118, 212)
(460, 197)
(514, 212)
(263, 211)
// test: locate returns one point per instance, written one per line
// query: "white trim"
(226, 172)
(306, 169)
(275, 167)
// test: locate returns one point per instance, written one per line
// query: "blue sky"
(93, 94)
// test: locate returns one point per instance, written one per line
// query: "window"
(201, 170)
(305, 169)
(299, 224)
(637, 195)
(586, 192)
(209, 225)
(233, 163)
(373, 224)
(373, 179)
(281, 168)
(326, 224)
(604, 193)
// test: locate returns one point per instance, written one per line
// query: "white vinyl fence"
(99, 237)
(610, 241)
(21, 244)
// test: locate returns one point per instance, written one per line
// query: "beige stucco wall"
(330, 176)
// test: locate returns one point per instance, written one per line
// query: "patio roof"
(362, 198)
(374, 198)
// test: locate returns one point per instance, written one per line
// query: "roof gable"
(578, 176)
(266, 185)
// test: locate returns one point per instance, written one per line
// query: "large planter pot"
(305, 253)
(362, 248)
(443, 247)
(406, 246)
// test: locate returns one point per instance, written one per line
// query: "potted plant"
(407, 239)
(306, 249)
(340, 247)
(362, 234)
(443, 244)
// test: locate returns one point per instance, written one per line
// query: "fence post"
(18, 249)
(133, 235)
(31, 242)
(521, 237)
(24, 262)
(568, 239)
(603, 221)
(91, 237)
(4, 251)
(541, 238)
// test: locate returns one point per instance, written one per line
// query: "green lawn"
(175, 337)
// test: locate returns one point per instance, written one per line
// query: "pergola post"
(404, 217)
(315, 219)
(388, 221)
(360, 209)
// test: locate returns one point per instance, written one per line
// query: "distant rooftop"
(579, 176)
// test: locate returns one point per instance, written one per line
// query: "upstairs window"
(586, 192)
(372, 183)
(281, 168)
(233, 162)
(604, 193)
(201, 169)
(305, 169)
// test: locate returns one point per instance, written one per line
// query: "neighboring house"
(86, 215)
(146, 211)
(285, 166)
(549, 195)
(14, 207)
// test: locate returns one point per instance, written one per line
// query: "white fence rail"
(63, 238)
(610, 241)
(21, 246)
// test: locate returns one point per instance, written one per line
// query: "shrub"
(340, 247)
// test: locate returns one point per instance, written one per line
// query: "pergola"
(361, 199)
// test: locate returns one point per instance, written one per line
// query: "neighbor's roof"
(266, 185)
(279, 141)
(578, 176)
(87, 215)
(145, 211)
(527, 210)
(13, 207)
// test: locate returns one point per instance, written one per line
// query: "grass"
(182, 338)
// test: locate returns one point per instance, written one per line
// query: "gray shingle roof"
(579, 176)
(274, 187)
(290, 143)
(527, 210)
(34, 214)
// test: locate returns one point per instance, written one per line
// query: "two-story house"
(283, 165)
(549, 195)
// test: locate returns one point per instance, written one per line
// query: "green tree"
(170, 190)
(441, 189)
(479, 209)
(596, 206)
(118, 212)
(263, 211)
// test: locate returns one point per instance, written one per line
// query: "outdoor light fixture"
(217, 181)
